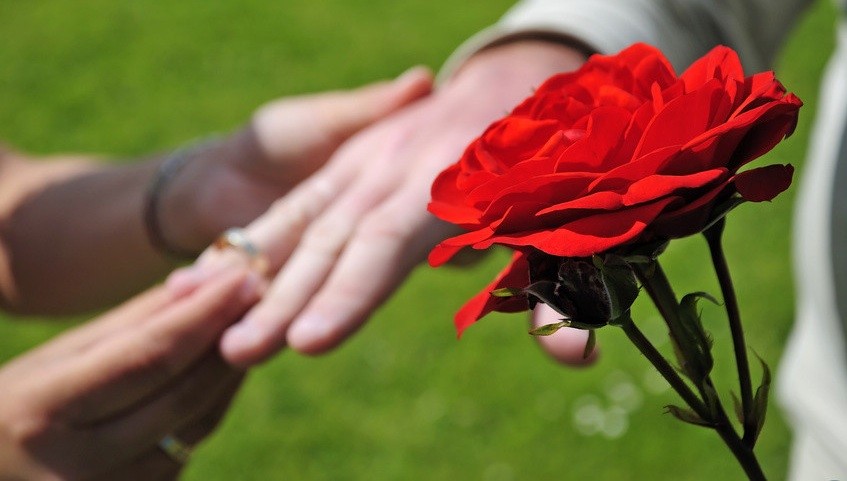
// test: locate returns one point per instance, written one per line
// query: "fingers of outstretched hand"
(263, 329)
(567, 345)
(291, 127)
(385, 245)
(379, 218)
(345, 113)
(138, 362)
(276, 233)
(360, 249)
(388, 244)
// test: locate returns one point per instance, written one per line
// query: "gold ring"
(237, 239)
(175, 449)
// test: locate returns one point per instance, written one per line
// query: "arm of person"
(96, 402)
(73, 235)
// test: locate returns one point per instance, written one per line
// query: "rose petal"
(542, 190)
(515, 275)
(657, 186)
(688, 218)
(588, 235)
(447, 248)
(764, 183)
(719, 63)
(509, 141)
(682, 119)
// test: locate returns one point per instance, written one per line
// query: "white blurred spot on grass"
(615, 422)
(588, 415)
(622, 392)
(608, 416)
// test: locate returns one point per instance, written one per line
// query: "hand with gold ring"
(128, 395)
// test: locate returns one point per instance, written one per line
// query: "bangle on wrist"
(167, 170)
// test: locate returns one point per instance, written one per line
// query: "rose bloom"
(621, 152)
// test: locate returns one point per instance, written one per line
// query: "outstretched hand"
(347, 237)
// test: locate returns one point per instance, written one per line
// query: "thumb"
(346, 112)
(567, 345)
(312, 126)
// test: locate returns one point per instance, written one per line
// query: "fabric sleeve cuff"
(597, 26)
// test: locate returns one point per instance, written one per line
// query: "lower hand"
(94, 403)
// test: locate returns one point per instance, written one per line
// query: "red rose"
(622, 151)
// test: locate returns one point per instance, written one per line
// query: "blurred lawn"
(403, 400)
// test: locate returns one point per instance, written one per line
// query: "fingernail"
(183, 281)
(413, 73)
(309, 331)
(251, 288)
(188, 278)
(240, 338)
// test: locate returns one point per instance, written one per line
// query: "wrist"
(523, 60)
(494, 80)
(223, 185)
(514, 69)
(177, 207)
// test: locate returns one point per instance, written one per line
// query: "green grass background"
(404, 399)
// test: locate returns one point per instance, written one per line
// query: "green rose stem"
(708, 406)
(713, 237)
(663, 366)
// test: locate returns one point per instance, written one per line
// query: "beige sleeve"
(683, 29)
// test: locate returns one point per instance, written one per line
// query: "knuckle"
(326, 237)
(154, 357)
(19, 432)
(295, 214)
(383, 225)
(21, 427)
(348, 294)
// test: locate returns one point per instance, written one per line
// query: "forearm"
(75, 233)
(72, 234)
